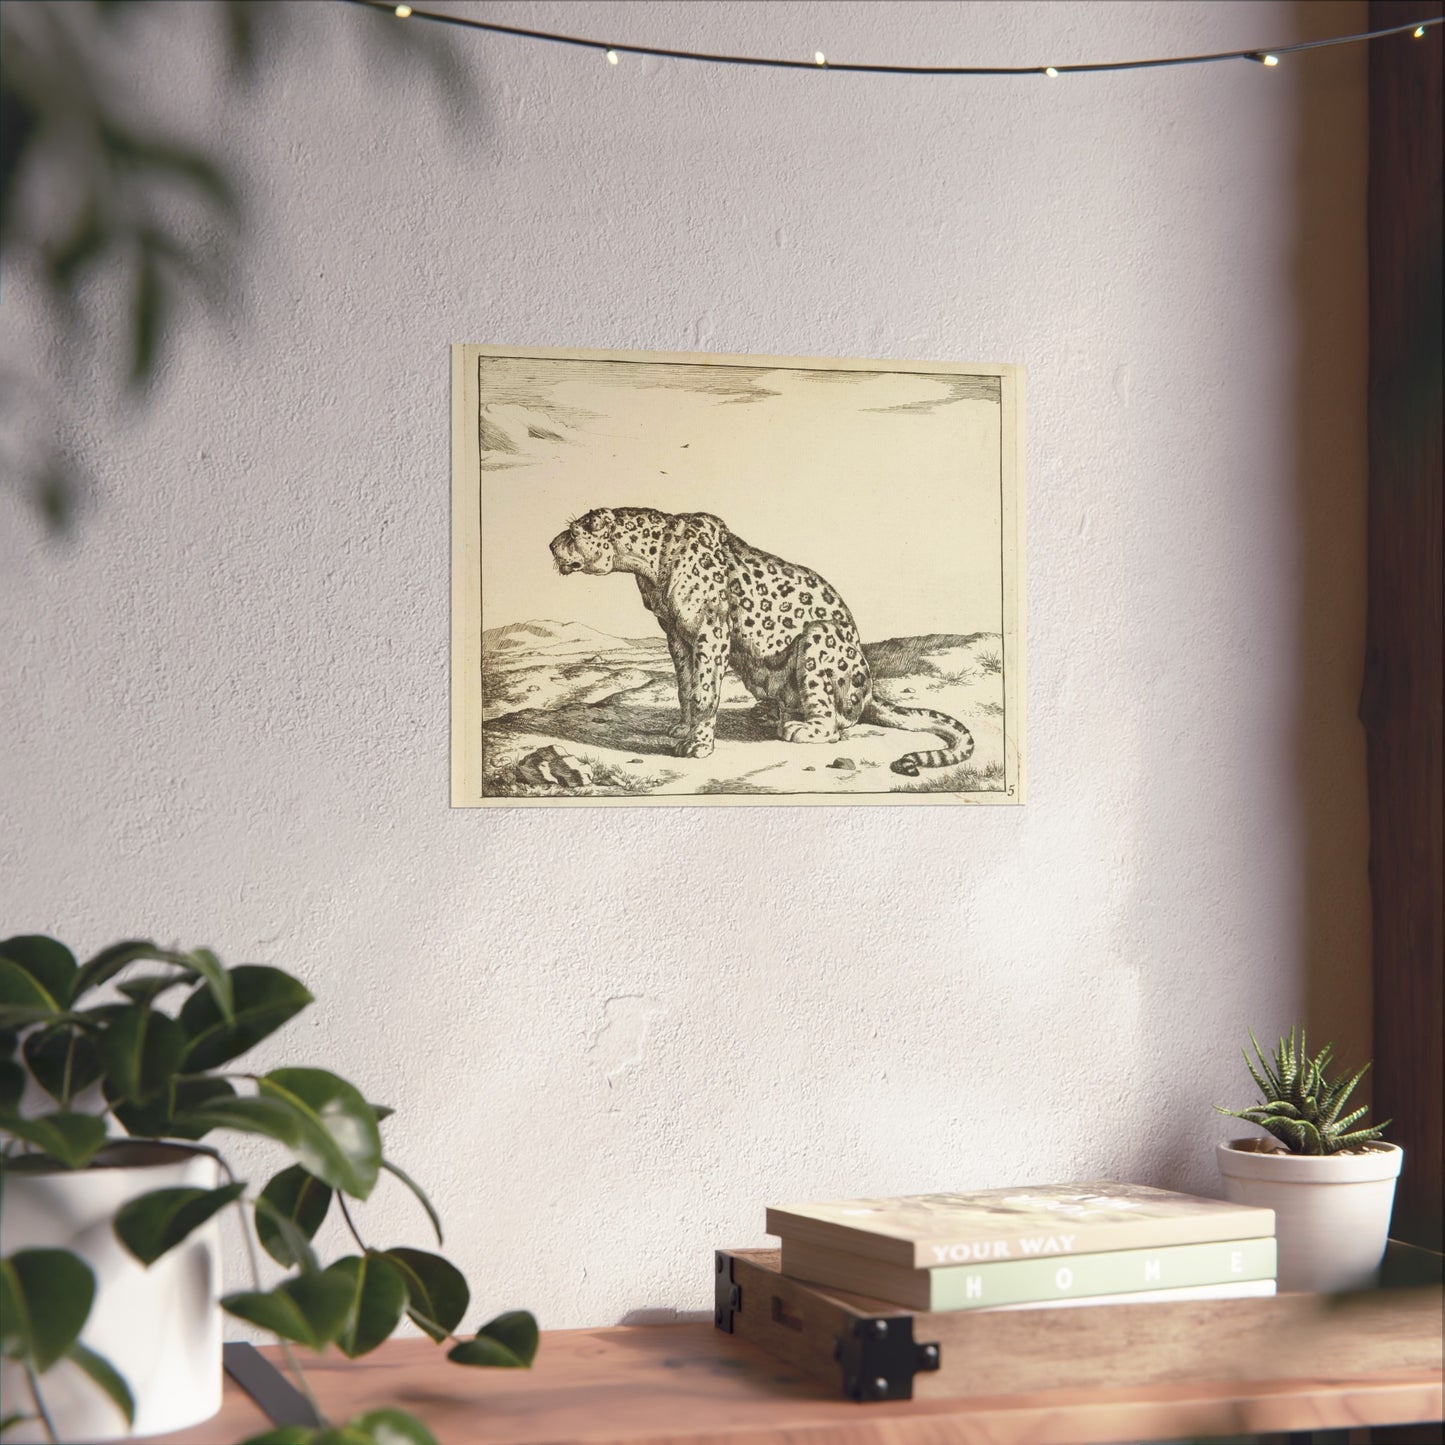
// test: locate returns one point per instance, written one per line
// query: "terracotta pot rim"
(121, 1153)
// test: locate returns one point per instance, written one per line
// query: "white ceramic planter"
(1331, 1212)
(160, 1327)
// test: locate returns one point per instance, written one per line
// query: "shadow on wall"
(91, 191)
(1327, 832)
(1331, 304)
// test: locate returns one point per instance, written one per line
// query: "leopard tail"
(958, 741)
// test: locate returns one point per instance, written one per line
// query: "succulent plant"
(1301, 1107)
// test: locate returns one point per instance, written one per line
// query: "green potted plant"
(113, 1085)
(1331, 1184)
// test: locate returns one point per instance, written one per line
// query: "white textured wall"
(613, 1036)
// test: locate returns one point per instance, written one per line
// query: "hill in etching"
(611, 703)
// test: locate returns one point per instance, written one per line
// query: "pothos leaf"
(299, 1197)
(104, 1374)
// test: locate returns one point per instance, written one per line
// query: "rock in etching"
(550, 766)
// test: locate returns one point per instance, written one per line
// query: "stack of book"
(1031, 1247)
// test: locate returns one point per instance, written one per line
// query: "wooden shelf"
(694, 1385)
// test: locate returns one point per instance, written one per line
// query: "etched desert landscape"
(569, 711)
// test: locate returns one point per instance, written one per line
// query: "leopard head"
(587, 545)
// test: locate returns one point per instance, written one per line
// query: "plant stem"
(39, 1403)
(346, 1215)
(69, 1073)
(291, 1361)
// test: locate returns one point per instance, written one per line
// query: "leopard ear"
(599, 520)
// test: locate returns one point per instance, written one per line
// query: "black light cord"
(612, 49)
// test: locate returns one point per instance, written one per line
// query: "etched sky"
(885, 482)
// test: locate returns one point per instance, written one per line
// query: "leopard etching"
(784, 631)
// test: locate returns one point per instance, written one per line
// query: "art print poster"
(694, 579)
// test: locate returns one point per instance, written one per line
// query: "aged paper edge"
(466, 681)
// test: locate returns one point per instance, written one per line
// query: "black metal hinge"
(727, 1296)
(880, 1357)
(280, 1401)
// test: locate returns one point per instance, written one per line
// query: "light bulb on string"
(1260, 57)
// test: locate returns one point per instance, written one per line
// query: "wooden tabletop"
(694, 1385)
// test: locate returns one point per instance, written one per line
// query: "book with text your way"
(1032, 1222)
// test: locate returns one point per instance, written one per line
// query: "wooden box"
(871, 1350)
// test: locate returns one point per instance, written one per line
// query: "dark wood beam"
(1401, 700)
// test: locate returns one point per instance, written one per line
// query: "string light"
(1269, 57)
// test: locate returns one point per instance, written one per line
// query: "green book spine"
(1027, 1281)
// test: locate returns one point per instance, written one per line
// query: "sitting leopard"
(786, 632)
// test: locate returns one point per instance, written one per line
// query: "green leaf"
(507, 1342)
(99, 1017)
(382, 1111)
(310, 1310)
(295, 1243)
(197, 1093)
(63, 1060)
(392, 1427)
(148, 989)
(14, 1323)
(298, 1197)
(142, 1051)
(331, 1136)
(160, 1117)
(50, 964)
(416, 1189)
(378, 1296)
(104, 1374)
(12, 1086)
(210, 968)
(11, 1421)
(1338, 1126)
(23, 999)
(264, 998)
(517, 1330)
(73, 1139)
(45, 1299)
(151, 1224)
(269, 1117)
(341, 1435)
(437, 1293)
(109, 962)
(340, 1143)
(1360, 1136)
(284, 1435)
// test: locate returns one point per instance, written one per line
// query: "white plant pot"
(160, 1327)
(1331, 1211)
